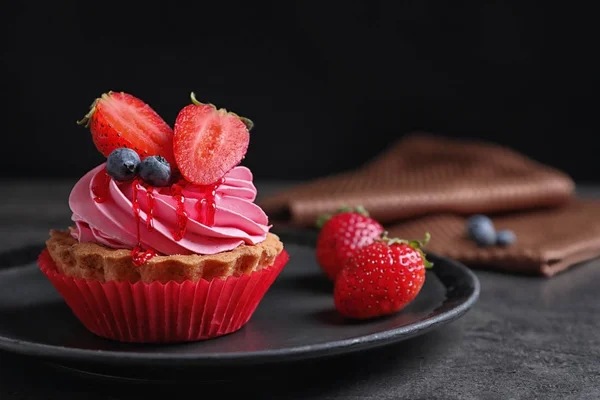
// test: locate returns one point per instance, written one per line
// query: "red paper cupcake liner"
(163, 312)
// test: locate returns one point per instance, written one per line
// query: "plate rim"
(304, 352)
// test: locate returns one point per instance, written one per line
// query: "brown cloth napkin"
(431, 183)
(548, 240)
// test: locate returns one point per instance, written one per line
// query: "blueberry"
(475, 221)
(505, 237)
(481, 229)
(122, 164)
(155, 171)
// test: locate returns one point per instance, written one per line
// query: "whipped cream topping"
(168, 222)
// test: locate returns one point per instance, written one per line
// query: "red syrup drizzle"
(140, 256)
(150, 213)
(101, 189)
(181, 218)
(207, 206)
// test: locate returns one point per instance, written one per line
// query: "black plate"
(296, 320)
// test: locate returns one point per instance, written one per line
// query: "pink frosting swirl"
(112, 222)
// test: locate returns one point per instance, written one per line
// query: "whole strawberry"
(341, 235)
(381, 278)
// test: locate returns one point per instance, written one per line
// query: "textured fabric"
(429, 183)
(548, 240)
(424, 174)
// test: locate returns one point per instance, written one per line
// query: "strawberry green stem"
(85, 121)
(248, 122)
(415, 244)
(196, 102)
(325, 217)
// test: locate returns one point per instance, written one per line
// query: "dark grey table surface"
(526, 338)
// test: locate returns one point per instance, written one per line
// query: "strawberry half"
(208, 142)
(118, 119)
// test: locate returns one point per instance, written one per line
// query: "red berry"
(381, 278)
(209, 142)
(341, 235)
(118, 119)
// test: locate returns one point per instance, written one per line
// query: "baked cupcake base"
(161, 311)
(98, 262)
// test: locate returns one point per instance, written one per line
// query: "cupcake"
(167, 244)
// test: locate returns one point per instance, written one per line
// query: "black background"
(328, 84)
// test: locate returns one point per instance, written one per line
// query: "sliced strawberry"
(208, 142)
(118, 119)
